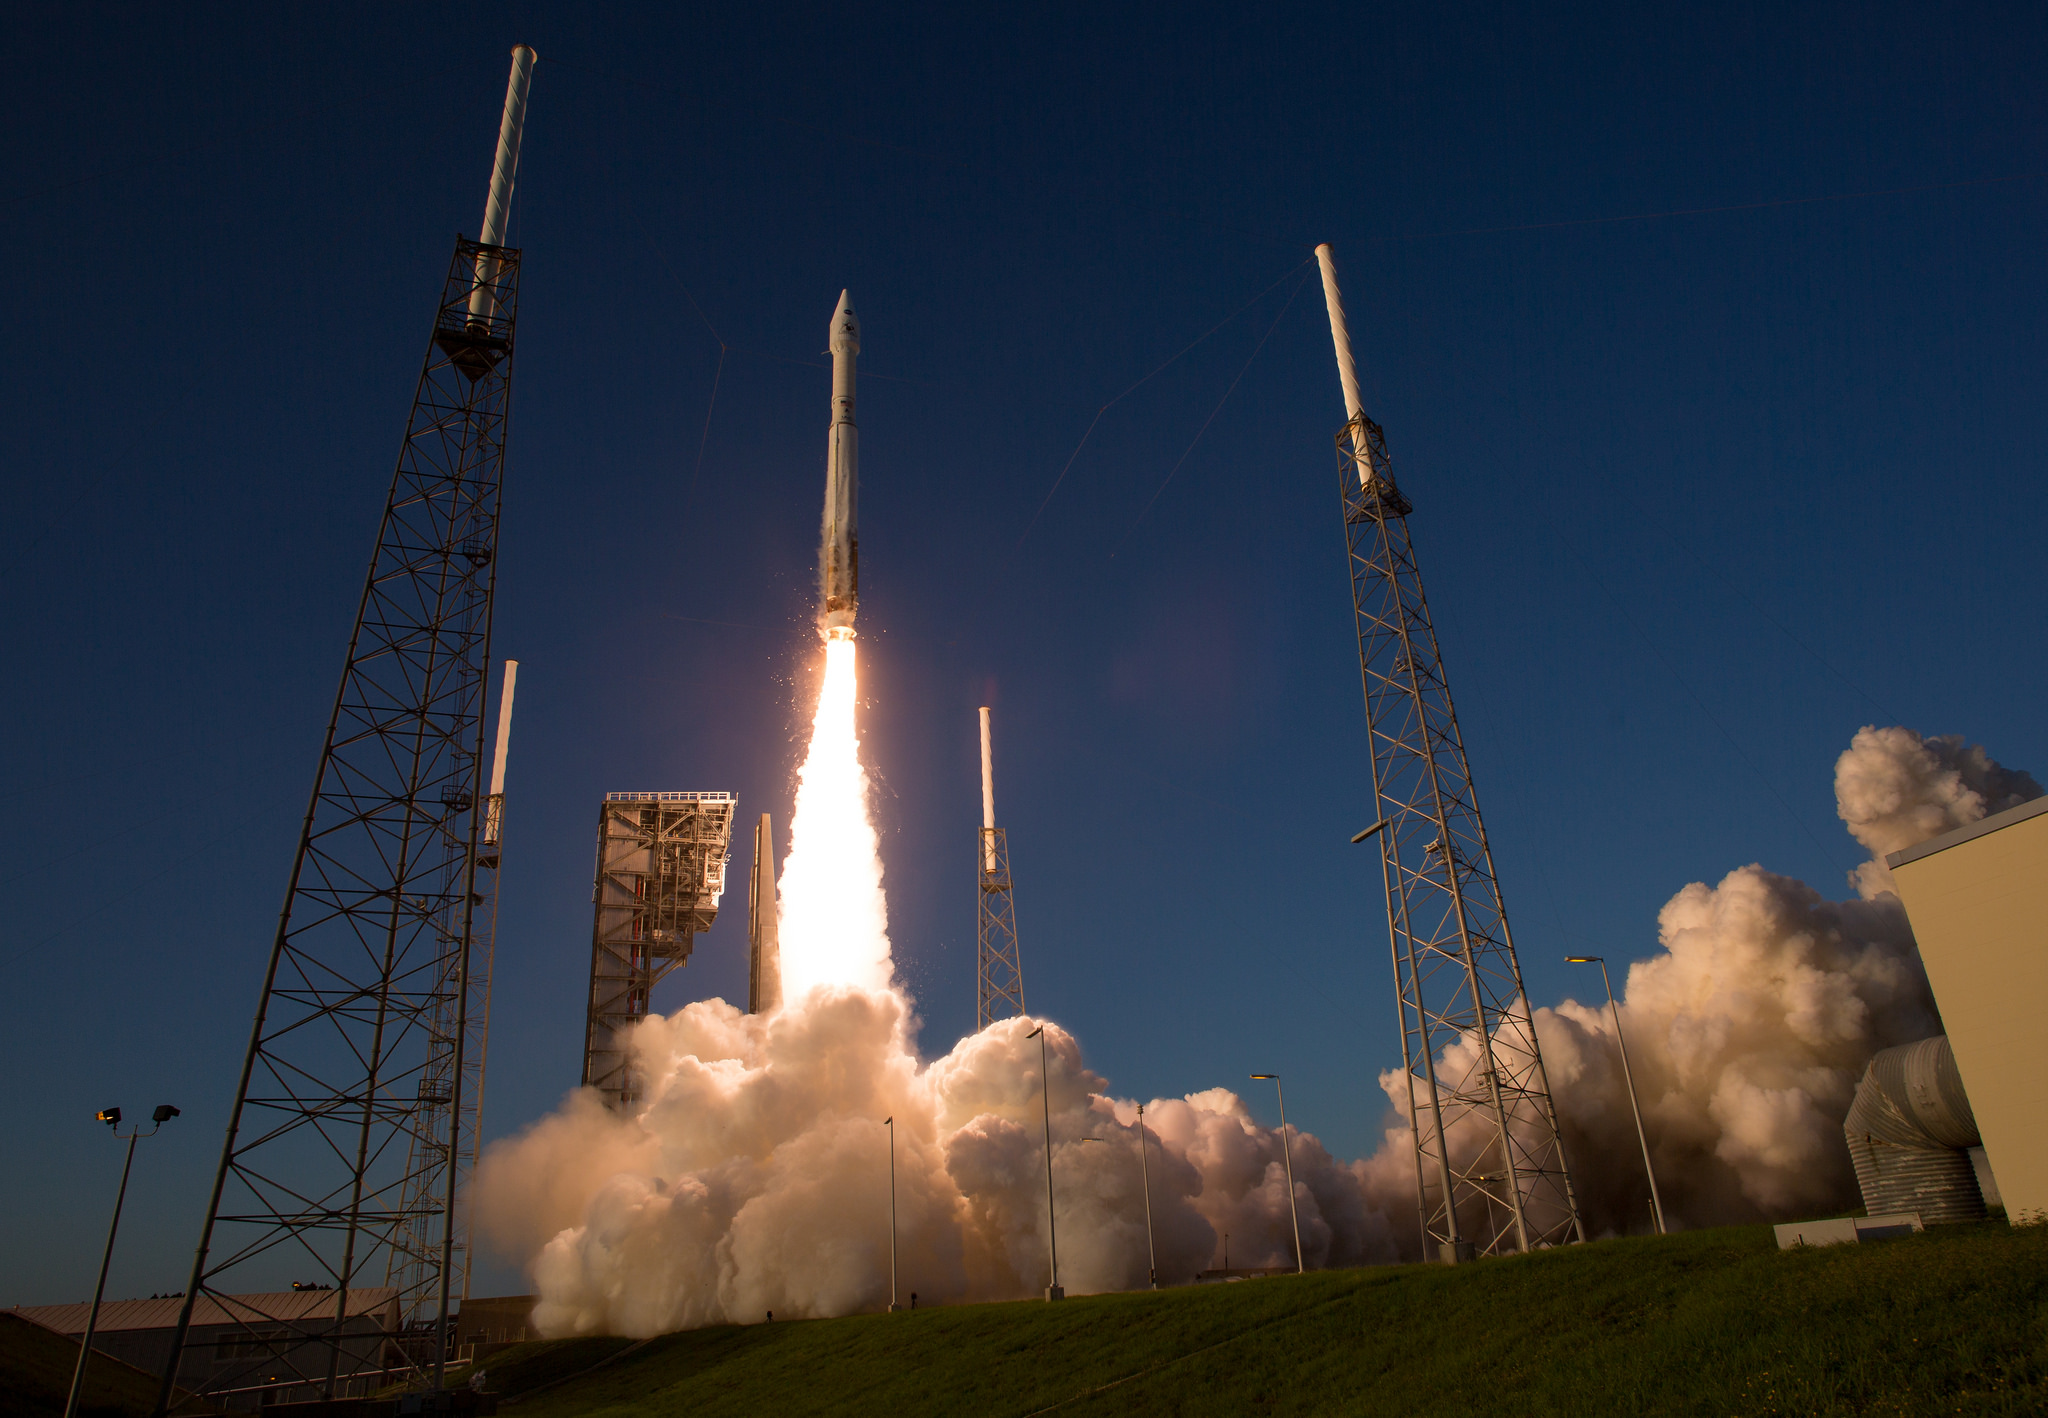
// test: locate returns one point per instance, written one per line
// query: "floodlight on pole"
(1052, 1235)
(1656, 1201)
(112, 1118)
(890, 1123)
(1145, 1180)
(1287, 1155)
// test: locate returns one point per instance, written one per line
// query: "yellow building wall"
(1980, 912)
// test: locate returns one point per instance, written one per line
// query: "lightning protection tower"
(1489, 1166)
(764, 938)
(660, 872)
(339, 1166)
(998, 970)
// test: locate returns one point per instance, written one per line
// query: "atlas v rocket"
(839, 548)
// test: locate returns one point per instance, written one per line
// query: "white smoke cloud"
(1896, 789)
(1749, 1030)
(752, 1175)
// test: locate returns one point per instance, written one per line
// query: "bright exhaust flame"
(834, 920)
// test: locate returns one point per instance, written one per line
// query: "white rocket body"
(839, 549)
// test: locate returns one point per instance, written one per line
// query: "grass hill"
(1714, 1322)
(1711, 1322)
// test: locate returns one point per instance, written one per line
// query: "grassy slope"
(1711, 1322)
(35, 1377)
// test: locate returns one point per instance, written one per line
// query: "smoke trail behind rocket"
(839, 547)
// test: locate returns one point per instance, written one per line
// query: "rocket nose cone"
(845, 329)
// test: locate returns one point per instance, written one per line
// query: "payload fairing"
(839, 549)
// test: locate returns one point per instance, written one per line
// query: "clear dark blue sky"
(1707, 343)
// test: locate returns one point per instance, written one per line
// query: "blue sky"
(1706, 344)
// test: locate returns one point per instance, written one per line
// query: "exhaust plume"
(833, 919)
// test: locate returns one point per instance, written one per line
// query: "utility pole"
(1145, 1180)
(112, 1118)
(1621, 1045)
(1052, 1234)
(890, 1123)
(1287, 1156)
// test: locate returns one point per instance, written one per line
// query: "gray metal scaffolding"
(660, 872)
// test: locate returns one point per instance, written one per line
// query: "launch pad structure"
(1490, 1167)
(661, 861)
(340, 1164)
(998, 969)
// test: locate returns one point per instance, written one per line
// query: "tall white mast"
(1340, 337)
(988, 799)
(494, 811)
(504, 171)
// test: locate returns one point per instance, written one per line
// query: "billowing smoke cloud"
(1749, 1030)
(1896, 789)
(753, 1174)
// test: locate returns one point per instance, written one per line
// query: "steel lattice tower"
(1490, 1168)
(998, 969)
(338, 1168)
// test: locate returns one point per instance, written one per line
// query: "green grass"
(35, 1377)
(1710, 1322)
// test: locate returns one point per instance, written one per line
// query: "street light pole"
(1052, 1235)
(890, 1123)
(1145, 1179)
(112, 1118)
(1656, 1201)
(1287, 1154)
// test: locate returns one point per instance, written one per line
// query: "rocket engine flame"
(833, 918)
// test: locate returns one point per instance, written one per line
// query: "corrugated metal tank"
(1910, 1131)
